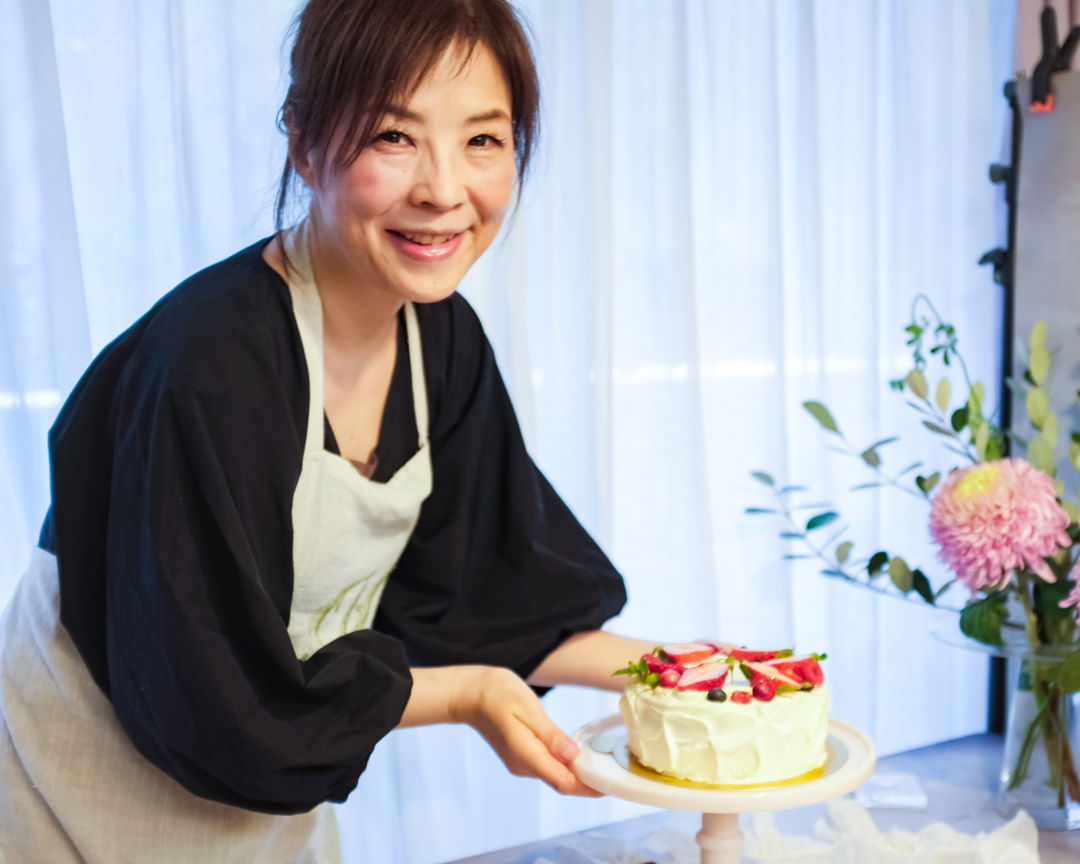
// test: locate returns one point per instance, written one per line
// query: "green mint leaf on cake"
(785, 652)
(787, 688)
(638, 669)
(652, 679)
(819, 657)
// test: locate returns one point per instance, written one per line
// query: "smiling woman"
(291, 506)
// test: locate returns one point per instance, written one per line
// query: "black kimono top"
(173, 465)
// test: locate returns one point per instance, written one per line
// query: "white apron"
(72, 786)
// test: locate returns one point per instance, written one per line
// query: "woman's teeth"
(427, 239)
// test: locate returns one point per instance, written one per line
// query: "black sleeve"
(498, 570)
(174, 465)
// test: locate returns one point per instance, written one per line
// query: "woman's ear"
(301, 160)
(299, 156)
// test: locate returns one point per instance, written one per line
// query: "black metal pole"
(995, 720)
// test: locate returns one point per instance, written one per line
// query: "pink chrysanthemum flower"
(997, 517)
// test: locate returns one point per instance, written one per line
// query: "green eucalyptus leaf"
(792, 535)
(821, 520)
(871, 457)
(1074, 454)
(754, 510)
(1050, 430)
(762, 477)
(959, 419)
(876, 563)
(1038, 335)
(927, 484)
(1039, 364)
(994, 448)
(843, 551)
(794, 557)
(1038, 406)
(883, 442)
(901, 574)
(982, 619)
(836, 574)
(977, 395)
(916, 382)
(934, 427)
(943, 394)
(820, 413)
(1068, 676)
(922, 586)
(1041, 455)
(982, 438)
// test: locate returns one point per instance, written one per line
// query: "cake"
(726, 716)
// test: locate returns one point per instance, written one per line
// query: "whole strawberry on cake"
(727, 716)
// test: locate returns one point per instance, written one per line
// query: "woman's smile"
(428, 248)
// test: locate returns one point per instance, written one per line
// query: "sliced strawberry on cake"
(805, 670)
(752, 656)
(707, 676)
(688, 653)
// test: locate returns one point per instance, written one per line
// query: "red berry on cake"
(743, 697)
(763, 687)
(669, 677)
(655, 664)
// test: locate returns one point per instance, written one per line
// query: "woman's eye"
(485, 140)
(392, 136)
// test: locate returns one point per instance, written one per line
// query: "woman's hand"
(505, 710)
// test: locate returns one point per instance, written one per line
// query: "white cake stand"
(602, 764)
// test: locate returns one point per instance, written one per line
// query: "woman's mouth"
(426, 247)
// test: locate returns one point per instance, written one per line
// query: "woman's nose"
(439, 183)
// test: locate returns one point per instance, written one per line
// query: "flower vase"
(1042, 748)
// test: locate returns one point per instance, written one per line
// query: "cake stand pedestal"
(603, 764)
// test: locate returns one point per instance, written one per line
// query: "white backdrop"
(734, 204)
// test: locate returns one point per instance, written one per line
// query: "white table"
(959, 777)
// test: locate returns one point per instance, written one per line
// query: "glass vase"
(1042, 748)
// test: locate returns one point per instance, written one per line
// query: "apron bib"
(73, 788)
(348, 531)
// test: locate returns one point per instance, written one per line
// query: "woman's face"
(426, 197)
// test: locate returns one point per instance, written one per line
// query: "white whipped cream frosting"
(682, 733)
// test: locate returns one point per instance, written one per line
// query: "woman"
(292, 508)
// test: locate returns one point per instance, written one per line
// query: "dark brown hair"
(353, 59)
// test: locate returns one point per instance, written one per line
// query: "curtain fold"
(734, 204)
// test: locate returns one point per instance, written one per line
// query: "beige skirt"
(74, 789)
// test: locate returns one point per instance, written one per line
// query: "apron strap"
(416, 366)
(307, 308)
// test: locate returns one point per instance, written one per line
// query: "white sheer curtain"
(734, 206)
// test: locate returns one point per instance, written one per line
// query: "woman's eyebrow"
(400, 113)
(488, 116)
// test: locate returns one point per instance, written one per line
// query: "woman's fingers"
(537, 760)
(513, 721)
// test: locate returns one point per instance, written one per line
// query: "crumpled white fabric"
(847, 836)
